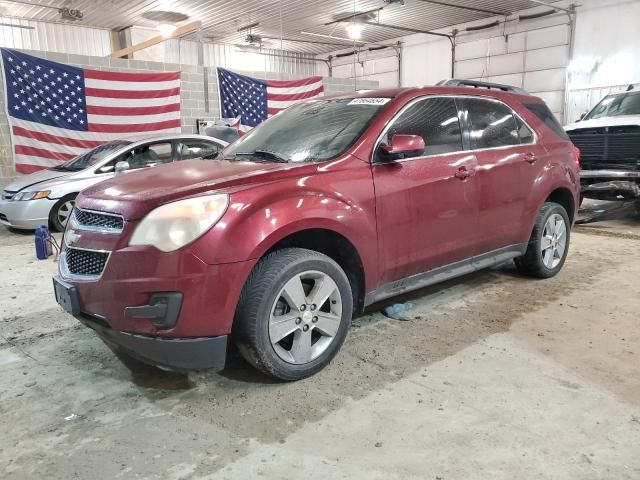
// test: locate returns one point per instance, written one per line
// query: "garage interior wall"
(534, 54)
(192, 95)
(221, 55)
(606, 53)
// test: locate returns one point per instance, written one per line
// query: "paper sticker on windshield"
(369, 101)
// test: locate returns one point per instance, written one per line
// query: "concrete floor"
(494, 376)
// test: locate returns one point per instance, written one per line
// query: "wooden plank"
(179, 32)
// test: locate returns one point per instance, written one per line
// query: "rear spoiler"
(477, 84)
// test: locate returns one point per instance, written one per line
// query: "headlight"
(176, 224)
(31, 195)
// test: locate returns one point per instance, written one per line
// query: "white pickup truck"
(609, 141)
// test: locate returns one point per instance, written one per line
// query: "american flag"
(58, 111)
(255, 100)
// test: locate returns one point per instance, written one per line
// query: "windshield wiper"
(265, 154)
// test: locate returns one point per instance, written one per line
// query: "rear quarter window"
(541, 111)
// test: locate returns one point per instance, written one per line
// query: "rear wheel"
(61, 212)
(293, 314)
(549, 243)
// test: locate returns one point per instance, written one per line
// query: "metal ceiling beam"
(464, 7)
(179, 32)
(540, 2)
(33, 4)
(285, 39)
(406, 29)
(354, 15)
(333, 37)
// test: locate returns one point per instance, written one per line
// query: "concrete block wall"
(192, 92)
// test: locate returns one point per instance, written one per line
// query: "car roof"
(436, 90)
(151, 137)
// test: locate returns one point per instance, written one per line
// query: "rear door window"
(435, 120)
(188, 149)
(150, 155)
(492, 124)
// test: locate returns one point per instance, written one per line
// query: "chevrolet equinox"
(327, 207)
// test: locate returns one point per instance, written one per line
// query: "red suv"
(329, 206)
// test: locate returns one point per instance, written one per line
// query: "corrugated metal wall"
(54, 37)
(229, 56)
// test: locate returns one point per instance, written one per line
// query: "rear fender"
(553, 176)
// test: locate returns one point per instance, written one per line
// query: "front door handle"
(462, 173)
(530, 157)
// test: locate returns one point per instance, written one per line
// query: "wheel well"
(68, 196)
(335, 246)
(564, 197)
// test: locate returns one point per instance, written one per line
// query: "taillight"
(576, 157)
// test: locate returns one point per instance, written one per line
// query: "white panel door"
(535, 60)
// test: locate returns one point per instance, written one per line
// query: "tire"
(266, 312)
(61, 212)
(637, 206)
(546, 264)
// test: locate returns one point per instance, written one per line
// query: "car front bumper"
(27, 215)
(610, 184)
(177, 354)
(171, 310)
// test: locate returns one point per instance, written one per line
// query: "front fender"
(251, 227)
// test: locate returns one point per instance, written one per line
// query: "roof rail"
(477, 84)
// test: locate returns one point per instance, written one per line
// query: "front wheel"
(549, 243)
(61, 212)
(293, 313)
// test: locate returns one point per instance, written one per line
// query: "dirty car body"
(345, 193)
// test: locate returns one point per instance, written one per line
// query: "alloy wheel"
(554, 241)
(305, 317)
(64, 212)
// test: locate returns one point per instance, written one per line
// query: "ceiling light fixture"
(354, 30)
(166, 29)
(333, 37)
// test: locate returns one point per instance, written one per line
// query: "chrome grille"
(84, 263)
(99, 221)
(602, 148)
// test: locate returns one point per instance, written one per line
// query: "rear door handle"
(462, 173)
(530, 157)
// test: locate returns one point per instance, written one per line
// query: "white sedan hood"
(35, 179)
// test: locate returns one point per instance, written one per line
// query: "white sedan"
(47, 197)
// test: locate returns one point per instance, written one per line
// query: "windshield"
(312, 131)
(616, 105)
(91, 157)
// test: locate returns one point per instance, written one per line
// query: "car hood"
(605, 122)
(133, 194)
(37, 180)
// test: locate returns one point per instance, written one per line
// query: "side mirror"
(106, 169)
(584, 114)
(403, 146)
(122, 166)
